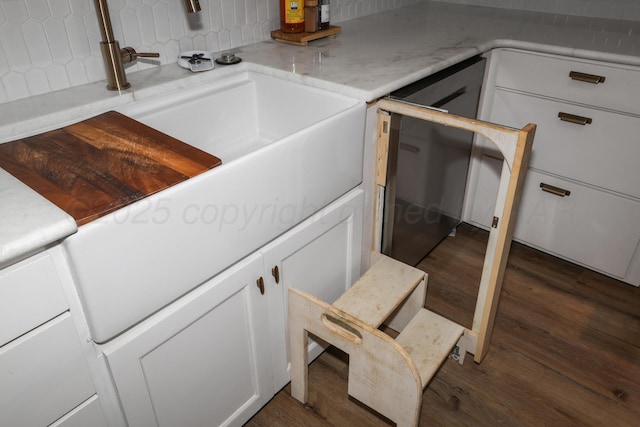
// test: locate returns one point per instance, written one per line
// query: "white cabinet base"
(322, 257)
(43, 375)
(218, 354)
(596, 226)
(205, 361)
(605, 240)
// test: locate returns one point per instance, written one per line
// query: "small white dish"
(196, 60)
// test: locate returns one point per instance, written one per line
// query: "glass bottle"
(291, 16)
(311, 16)
(323, 23)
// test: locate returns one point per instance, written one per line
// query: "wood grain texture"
(101, 164)
(302, 39)
(565, 350)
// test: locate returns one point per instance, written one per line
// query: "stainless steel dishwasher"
(428, 163)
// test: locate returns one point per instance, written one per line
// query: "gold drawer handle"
(572, 118)
(554, 190)
(587, 78)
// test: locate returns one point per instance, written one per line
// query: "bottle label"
(294, 13)
(324, 13)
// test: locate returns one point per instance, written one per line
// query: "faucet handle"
(129, 54)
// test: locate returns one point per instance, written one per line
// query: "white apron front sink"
(239, 114)
(287, 150)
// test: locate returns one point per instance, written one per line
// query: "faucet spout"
(114, 57)
(192, 5)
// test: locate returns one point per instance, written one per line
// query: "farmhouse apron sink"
(287, 151)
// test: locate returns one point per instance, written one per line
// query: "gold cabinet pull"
(587, 78)
(572, 118)
(276, 274)
(260, 284)
(554, 190)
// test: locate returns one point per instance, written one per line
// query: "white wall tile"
(57, 77)
(215, 15)
(161, 22)
(59, 8)
(130, 27)
(228, 17)
(15, 84)
(38, 10)
(36, 81)
(240, 13)
(56, 36)
(76, 72)
(146, 25)
(4, 65)
(82, 7)
(251, 12)
(614, 9)
(36, 40)
(77, 36)
(15, 47)
(15, 11)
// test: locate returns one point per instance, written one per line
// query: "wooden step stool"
(386, 374)
(389, 374)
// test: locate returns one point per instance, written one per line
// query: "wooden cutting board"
(101, 164)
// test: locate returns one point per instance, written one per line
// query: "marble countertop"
(371, 57)
(377, 54)
(29, 222)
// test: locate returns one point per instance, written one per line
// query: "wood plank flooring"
(565, 350)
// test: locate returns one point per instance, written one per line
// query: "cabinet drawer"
(30, 294)
(89, 413)
(589, 226)
(619, 91)
(43, 375)
(603, 153)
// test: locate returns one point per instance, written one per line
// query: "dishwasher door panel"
(428, 164)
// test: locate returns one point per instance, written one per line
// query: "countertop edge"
(30, 223)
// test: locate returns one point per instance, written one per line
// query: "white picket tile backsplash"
(613, 9)
(48, 45)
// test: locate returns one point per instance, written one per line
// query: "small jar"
(311, 16)
(323, 23)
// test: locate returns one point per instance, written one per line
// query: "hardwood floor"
(565, 350)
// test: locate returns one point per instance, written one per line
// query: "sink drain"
(228, 59)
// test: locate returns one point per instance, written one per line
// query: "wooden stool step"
(380, 291)
(429, 338)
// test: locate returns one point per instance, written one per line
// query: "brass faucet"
(114, 57)
(192, 5)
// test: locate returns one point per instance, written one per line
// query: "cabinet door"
(203, 361)
(322, 257)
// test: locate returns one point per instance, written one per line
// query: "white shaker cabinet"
(44, 377)
(581, 199)
(203, 361)
(322, 257)
(218, 354)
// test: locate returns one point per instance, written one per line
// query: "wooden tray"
(301, 39)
